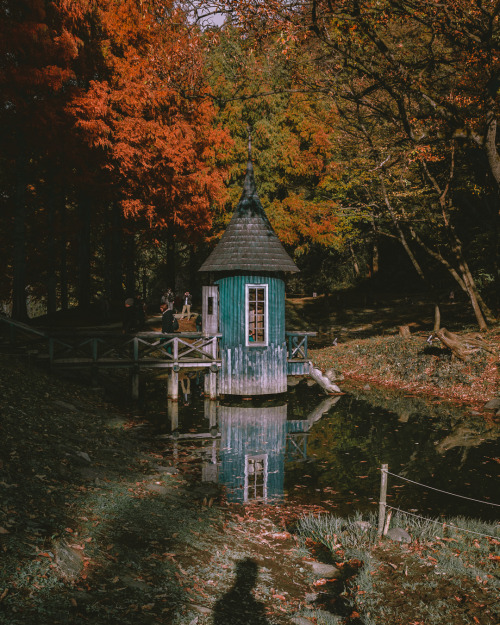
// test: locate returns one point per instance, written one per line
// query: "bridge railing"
(113, 349)
(153, 349)
(102, 348)
(297, 344)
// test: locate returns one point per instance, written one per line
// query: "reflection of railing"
(297, 344)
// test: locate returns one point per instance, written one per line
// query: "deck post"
(173, 414)
(173, 384)
(134, 378)
(211, 382)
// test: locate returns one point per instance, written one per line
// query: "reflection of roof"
(249, 242)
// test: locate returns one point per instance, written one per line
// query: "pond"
(307, 448)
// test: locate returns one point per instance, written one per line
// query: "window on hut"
(255, 477)
(256, 314)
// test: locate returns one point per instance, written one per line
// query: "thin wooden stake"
(387, 522)
(383, 499)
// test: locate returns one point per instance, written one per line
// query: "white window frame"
(249, 486)
(266, 315)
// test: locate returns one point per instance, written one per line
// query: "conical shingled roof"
(249, 242)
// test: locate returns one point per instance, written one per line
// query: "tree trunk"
(432, 291)
(51, 251)
(171, 260)
(19, 308)
(456, 245)
(375, 252)
(354, 261)
(473, 295)
(437, 317)
(130, 286)
(84, 264)
(113, 255)
(63, 253)
(453, 272)
(468, 280)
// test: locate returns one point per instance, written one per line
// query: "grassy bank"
(368, 347)
(413, 365)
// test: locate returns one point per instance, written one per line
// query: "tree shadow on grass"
(239, 606)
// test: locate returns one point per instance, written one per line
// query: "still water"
(307, 448)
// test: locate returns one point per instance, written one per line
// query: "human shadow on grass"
(238, 605)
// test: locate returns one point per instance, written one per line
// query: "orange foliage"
(153, 116)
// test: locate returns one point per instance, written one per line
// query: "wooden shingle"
(249, 242)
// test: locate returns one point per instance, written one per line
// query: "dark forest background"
(124, 130)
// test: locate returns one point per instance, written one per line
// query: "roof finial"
(249, 128)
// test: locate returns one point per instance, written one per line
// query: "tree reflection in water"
(239, 606)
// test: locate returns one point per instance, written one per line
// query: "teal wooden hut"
(246, 300)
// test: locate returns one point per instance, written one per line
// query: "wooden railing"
(145, 349)
(297, 345)
(107, 349)
(152, 349)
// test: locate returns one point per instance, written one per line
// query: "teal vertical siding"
(252, 431)
(256, 370)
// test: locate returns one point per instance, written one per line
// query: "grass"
(411, 365)
(447, 573)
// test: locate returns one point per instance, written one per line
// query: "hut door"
(210, 310)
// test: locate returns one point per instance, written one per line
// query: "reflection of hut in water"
(252, 452)
(249, 264)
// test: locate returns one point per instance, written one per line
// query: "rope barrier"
(455, 527)
(488, 503)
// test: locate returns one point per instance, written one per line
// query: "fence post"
(383, 499)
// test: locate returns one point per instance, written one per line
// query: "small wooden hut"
(246, 300)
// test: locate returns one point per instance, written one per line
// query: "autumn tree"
(36, 52)
(420, 77)
(154, 120)
(290, 139)
(109, 142)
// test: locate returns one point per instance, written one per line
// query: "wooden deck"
(99, 349)
(110, 349)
